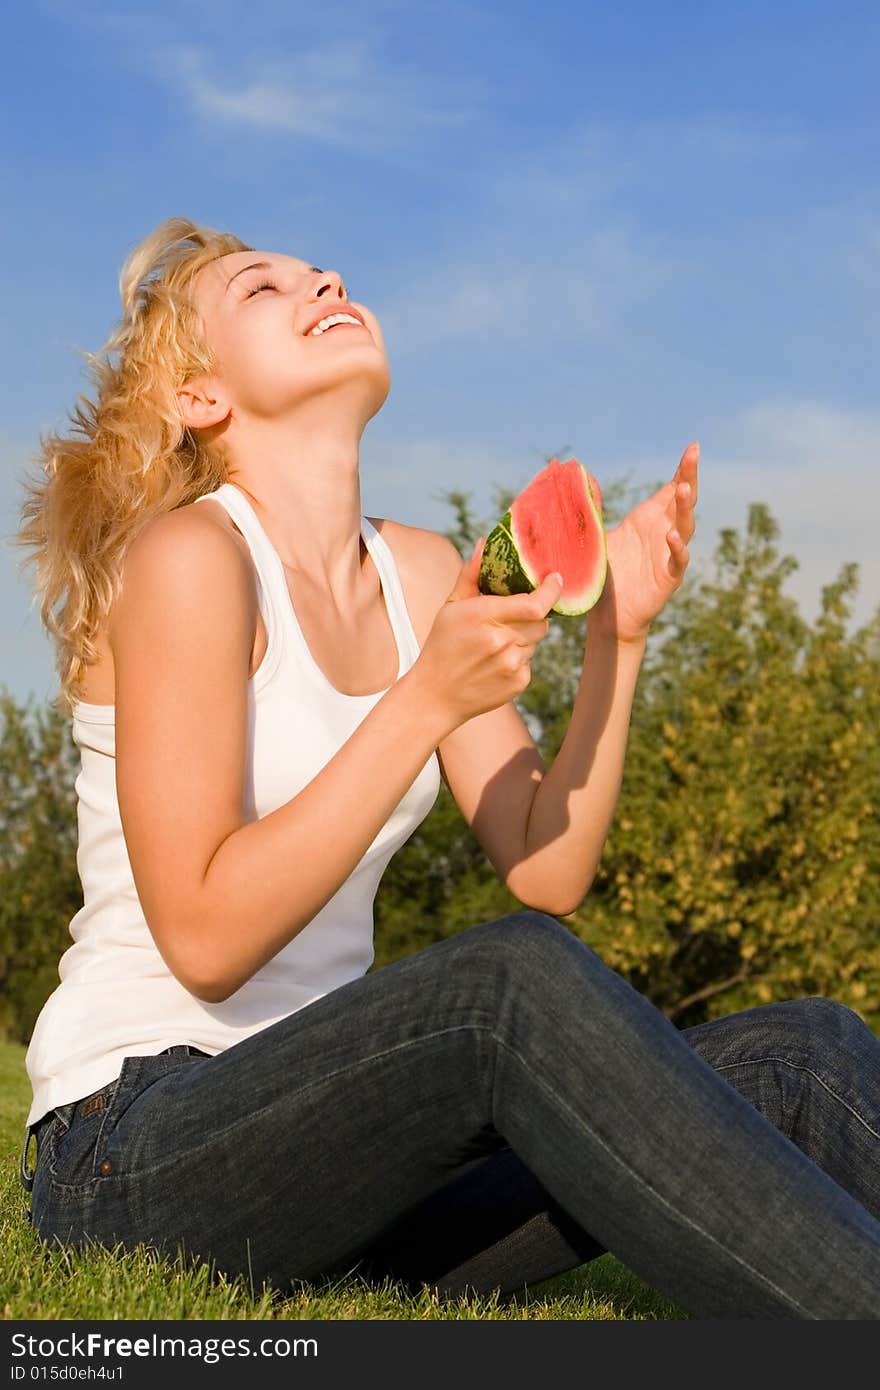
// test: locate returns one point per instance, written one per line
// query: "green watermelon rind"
(503, 572)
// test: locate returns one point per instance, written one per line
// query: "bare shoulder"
(172, 547)
(182, 521)
(428, 564)
(205, 529)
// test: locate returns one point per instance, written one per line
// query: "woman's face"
(258, 310)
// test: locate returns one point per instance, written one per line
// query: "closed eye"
(267, 285)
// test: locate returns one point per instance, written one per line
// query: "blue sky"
(593, 229)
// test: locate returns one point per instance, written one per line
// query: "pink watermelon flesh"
(554, 528)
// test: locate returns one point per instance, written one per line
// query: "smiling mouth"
(338, 318)
(337, 327)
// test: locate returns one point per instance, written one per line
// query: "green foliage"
(742, 864)
(39, 884)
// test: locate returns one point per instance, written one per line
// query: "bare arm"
(544, 830)
(575, 800)
(574, 804)
(269, 878)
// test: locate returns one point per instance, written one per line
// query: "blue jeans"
(491, 1111)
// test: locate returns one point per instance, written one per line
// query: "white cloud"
(809, 434)
(340, 93)
(577, 286)
(816, 467)
(548, 250)
(259, 69)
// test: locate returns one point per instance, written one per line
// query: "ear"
(203, 403)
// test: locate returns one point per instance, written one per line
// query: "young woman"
(266, 687)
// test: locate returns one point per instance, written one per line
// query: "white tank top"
(117, 997)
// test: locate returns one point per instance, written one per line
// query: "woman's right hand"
(477, 655)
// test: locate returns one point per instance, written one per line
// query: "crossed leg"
(811, 1066)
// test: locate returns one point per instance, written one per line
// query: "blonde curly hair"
(135, 457)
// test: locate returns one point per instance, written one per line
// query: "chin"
(379, 401)
(361, 391)
(376, 392)
(374, 378)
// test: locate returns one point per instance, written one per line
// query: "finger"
(678, 552)
(529, 634)
(547, 593)
(476, 555)
(690, 457)
(684, 511)
(686, 471)
(512, 608)
(467, 582)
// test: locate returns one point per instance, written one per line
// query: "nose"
(330, 283)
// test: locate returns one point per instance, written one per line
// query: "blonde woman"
(267, 687)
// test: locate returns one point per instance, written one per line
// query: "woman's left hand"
(647, 555)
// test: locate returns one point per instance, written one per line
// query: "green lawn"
(39, 1282)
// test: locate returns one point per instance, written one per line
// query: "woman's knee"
(528, 924)
(525, 935)
(809, 1032)
(823, 1019)
(534, 950)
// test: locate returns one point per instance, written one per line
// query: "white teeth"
(319, 328)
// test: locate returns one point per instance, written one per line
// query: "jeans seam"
(783, 1061)
(645, 1184)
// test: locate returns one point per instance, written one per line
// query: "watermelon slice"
(554, 524)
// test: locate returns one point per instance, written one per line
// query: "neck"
(306, 493)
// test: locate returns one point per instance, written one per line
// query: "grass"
(40, 1282)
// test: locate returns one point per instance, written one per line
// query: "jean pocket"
(78, 1137)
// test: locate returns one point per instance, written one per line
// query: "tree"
(742, 864)
(39, 885)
